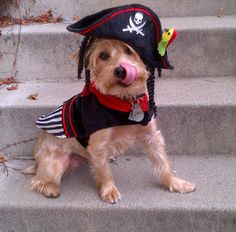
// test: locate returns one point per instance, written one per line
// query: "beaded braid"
(86, 63)
(87, 79)
(159, 72)
(151, 90)
(82, 51)
(83, 62)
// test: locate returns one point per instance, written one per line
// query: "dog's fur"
(55, 157)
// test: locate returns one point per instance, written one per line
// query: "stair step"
(204, 47)
(164, 8)
(145, 205)
(196, 115)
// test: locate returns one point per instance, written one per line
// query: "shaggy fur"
(55, 157)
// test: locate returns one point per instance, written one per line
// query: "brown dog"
(56, 156)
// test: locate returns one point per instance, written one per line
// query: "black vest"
(87, 113)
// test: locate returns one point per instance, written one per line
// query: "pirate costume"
(86, 113)
(90, 110)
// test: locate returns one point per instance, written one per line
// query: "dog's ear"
(75, 56)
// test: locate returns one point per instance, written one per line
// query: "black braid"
(151, 90)
(159, 72)
(87, 79)
(87, 71)
(83, 60)
(82, 51)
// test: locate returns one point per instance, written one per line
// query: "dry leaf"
(76, 18)
(33, 96)
(6, 21)
(13, 87)
(24, 22)
(2, 159)
(2, 163)
(220, 13)
(47, 17)
(8, 81)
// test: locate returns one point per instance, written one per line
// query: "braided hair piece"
(82, 51)
(151, 90)
(83, 61)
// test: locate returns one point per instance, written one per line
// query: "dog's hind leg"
(51, 166)
(154, 147)
(54, 157)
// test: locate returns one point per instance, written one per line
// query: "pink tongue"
(131, 73)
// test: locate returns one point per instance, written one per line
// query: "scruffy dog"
(118, 71)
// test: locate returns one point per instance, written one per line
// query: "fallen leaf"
(12, 87)
(8, 81)
(220, 13)
(76, 18)
(2, 163)
(24, 22)
(33, 96)
(2, 159)
(6, 21)
(44, 18)
(47, 17)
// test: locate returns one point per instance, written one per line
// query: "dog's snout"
(120, 72)
(126, 73)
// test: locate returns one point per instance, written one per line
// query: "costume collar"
(116, 103)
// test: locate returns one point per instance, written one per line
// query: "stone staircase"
(197, 115)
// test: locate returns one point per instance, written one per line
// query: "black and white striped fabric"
(52, 123)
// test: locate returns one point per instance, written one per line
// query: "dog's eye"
(104, 56)
(128, 51)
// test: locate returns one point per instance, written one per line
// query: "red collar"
(116, 103)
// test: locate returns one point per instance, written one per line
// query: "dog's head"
(116, 69)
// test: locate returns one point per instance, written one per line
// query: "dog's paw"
(181, 186)
(110, 193)
(48, 189)
(112, 158)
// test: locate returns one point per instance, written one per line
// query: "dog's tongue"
(131, 73)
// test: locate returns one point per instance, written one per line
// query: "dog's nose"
(126, 73)
(120, 72)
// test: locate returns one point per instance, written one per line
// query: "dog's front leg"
(98, 151)
(154, 147)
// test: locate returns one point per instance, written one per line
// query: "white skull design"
(138, 18)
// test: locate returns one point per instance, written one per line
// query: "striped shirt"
(52, 123)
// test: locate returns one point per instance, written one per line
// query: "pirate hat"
(134, 24)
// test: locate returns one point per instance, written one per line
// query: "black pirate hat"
(134, 24)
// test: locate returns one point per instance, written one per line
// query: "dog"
(118, 71)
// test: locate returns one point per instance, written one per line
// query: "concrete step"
(196, 115)
(166, 8)
(145, 205)
(205, 47)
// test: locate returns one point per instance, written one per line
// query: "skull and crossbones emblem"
(135, 24)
